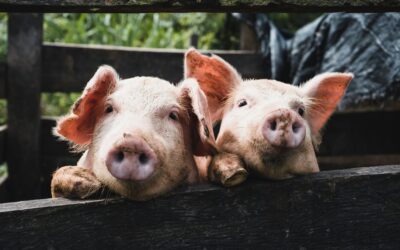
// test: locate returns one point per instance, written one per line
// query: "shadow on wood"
(356, 208)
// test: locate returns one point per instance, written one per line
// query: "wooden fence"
(346, 208)
(342, 209)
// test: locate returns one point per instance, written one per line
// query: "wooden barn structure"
(353, 203)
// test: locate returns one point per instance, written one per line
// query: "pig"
(266, 127)
(138, 136)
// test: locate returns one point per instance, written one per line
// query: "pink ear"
(202, 135)
(325, 91)
(78, 126)
(216, 78)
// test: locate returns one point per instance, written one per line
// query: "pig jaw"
(298, 161)
(170, 171)
(243, 132)
(270, 162)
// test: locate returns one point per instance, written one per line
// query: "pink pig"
(267, 127)
(139, 136)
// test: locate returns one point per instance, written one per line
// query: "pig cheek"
(177, 156)
(102, 144)
(304, 160)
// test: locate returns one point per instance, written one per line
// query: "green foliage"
(3, 35)
(3, 170)
(158, 30)
(56, 104)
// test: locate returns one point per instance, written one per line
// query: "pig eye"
(173, 115)
(242, 103)
(301, 111)
(109, 109)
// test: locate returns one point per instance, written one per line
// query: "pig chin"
(285, 163)
(272, 162)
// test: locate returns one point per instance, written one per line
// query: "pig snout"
(131, 159)
(284, 128)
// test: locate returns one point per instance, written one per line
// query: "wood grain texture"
(352, 209)
(361, 133)
(67, 68)
(3, 137)
(196, 5)
(3, 179)
(3, 77)
(23, 104)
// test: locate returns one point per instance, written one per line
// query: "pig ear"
(216, 78)
(202, 137)
(325, 91)
(78, 126)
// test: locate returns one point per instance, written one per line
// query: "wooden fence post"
(24, 60)
(248, 38)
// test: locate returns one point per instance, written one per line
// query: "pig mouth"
(273, 160)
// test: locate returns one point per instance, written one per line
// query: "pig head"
(138, 135)
(273, 127)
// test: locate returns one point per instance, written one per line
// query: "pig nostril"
(119, 156)
(143, 159)
(273, 125)
(295, 127)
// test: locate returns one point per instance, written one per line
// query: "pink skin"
(139, 135)
(271, 126)
(284, 128)
(131, 159)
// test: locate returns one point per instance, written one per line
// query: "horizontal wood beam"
(196, 6)
(67, 68)
(357, 208)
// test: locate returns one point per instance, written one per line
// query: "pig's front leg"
(227, 169)
(74, 182)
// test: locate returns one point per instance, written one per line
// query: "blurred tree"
(158, 30)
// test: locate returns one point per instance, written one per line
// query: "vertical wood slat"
(23, 93)
(248, 38)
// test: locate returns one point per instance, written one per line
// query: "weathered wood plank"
(3, 137)
(3, 77)
(24, 78)
(67, 68)
(354, 208)
(3, 189)
(355, 161)
(248, 38)
(3, 179)
(360, 133)
(196, 5)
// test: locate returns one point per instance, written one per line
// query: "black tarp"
(367, 45)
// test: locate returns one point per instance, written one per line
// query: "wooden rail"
(196, 5)
(67, 68)
(356, 208)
